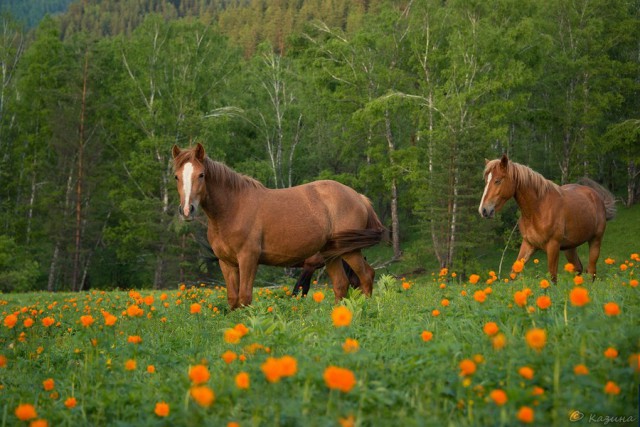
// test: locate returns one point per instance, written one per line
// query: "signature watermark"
(576, 416)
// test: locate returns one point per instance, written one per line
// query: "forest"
(401, 100)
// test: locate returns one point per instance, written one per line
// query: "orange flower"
(71, 402)
(25, 412)
(445, 302)
(525, 415)
(611, 353)
(195, 308)
(473, 279)
(579, 296)
(130, 365)
(271, 370)
(467, 367)
(435, 313)
(526, 372)
(318, 296)
(426, 336)
(499, 341)
(229, 356)
(520, 298)
(543, 302)
(134, 311)
(162, 409)
(498, 396)
(274, 369)
(3, 361)
(350, 345)
(341, 316)
(633, 283)
(87, 320)
(242, 380)
(568, 267)
(537, 391)
(28, 322)
(406, 286)
(48, 321)
(241, 329)
(580, 369)
(623, 267)
(634, 362)
(518, 266)
(479, 296)
(151, 369)
(491, 328)
(536, 338)
(109, 319)
(609, 261)
(611, 388)
(443, 272)
(10, 321)
(578, 280)
(48, 384)
(544, 283)
(611, 309)
(199, 374)
(203, 395)
(39, 423)
(232, 336)
(349, 421)
(339, 378)
(134, 339)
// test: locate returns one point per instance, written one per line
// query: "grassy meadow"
(435, 350)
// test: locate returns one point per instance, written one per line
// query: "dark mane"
(219, 172)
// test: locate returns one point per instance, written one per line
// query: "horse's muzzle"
(189, 216)
(487, 212)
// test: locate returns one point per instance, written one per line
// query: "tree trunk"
(632, 174)
(395, 222)
(81, 142)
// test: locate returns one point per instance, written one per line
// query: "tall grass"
(401, 379)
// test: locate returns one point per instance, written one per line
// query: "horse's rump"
(607, 198)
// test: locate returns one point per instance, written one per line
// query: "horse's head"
(499, 186)
(189, 173)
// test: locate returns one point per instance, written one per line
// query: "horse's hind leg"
(364, 271)
(573, 258)
(594, 254)
(338, 278)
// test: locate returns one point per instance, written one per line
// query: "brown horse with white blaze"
(249, 224)
(553, 218)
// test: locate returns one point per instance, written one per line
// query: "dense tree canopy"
(400, 100)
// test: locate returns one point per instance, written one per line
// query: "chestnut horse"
(553, 218)
(249, 224)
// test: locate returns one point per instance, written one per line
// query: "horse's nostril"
(191, 209)
(180, 209)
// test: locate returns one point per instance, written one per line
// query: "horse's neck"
(528, 200)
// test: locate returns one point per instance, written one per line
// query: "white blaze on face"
(187, 173)
(484, 194)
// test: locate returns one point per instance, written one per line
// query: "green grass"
(401, 379)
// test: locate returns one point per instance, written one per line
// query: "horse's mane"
(524, 176)
(221, 173)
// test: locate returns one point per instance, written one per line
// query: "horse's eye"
(201, 175)
(176, 177)
(498, 181)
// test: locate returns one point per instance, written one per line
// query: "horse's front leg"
(553, 255)
(526, 250)
(248, 265)
(231, 274)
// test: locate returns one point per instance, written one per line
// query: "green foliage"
(18, 273)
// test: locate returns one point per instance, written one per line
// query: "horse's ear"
(486, 161)
(175, 151)
(504, 161)
(200, 152)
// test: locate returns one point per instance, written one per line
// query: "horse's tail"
(352, 240)
(608, 199)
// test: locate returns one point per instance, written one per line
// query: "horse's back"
(584, 212)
